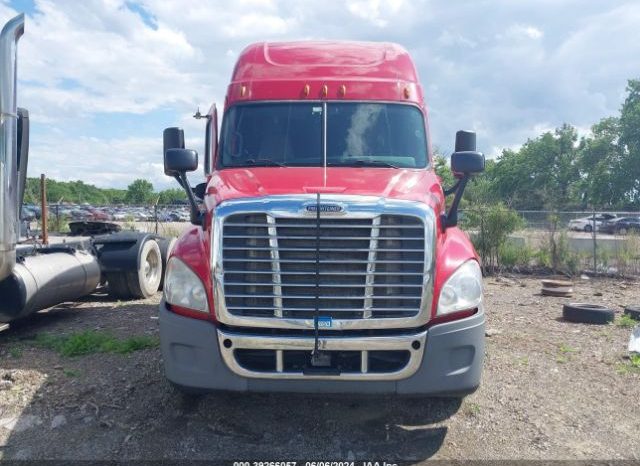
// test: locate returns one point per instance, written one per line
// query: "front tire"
(588, 229)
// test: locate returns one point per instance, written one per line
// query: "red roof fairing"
(367, 70)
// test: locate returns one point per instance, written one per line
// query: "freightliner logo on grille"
(325, 208)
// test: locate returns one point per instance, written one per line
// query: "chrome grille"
(369, 268)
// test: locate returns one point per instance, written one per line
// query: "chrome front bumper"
(414, 344)
(449, 365)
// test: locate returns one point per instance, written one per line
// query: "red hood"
(415, 185)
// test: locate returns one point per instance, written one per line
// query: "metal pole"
(155, 213)
(44, 210)
(595, 245)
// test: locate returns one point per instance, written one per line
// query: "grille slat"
(322, 285)
(369, 267)
(309, 226)
(311, 261)
(232, 248)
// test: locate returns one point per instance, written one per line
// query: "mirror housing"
(465, 141)
(178, 161)
(465, 161)
(172, 138)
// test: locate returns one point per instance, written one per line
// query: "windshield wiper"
(258, 163)
(363, 163)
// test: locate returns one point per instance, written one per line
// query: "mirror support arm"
(452, 189)
(450, 219)
(197, 218)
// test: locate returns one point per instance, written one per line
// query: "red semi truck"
(322, 257)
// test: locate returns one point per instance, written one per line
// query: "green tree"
(601, 184)
(541, 174)
(171, 196)
(140, 192)
(629, 144)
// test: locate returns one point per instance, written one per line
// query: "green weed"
(626, 321)
(91, 341)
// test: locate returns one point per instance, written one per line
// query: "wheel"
(118, 286)
(588, 228)
(633, 312)
(587, 313)
(145, 282)
(166, 246)
(622, 231)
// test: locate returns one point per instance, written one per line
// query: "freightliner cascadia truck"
(322, 256)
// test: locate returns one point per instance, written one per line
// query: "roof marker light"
(407, 93)
(325, 90)
(343, 90)
(306, 90)
(243, 91)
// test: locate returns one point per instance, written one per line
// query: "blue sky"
(102, 78)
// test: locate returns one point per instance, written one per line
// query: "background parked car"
(586, 223)
(621, 226)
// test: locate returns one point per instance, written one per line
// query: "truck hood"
(405, 184)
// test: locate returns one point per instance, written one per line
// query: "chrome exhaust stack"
(9, 218)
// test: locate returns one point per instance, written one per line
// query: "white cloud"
(378, 12)
(517, 31)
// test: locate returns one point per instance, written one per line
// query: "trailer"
(36, 276)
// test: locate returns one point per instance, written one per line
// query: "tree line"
(560, 171)
(139, 192)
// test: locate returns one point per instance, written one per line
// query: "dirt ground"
(550, 390)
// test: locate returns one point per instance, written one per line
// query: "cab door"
(211, 141)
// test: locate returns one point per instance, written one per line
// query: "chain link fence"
(569, 242)
(166, 220)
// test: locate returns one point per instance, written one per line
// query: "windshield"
(291, 134)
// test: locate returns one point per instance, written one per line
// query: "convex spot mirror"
(467, 163)
(177, 161)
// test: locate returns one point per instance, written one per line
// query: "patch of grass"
(566, 349)
(472, 409)
(565, 352)
(626, 321)
(91, 341)
(523, 361)
(15, 352)
(631, 367)
(71, 372)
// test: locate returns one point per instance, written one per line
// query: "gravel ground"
(550, 390)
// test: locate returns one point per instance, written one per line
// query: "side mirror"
(177, 161)
(467, 162)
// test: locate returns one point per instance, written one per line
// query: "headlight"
(462, 291)
(184, 288)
